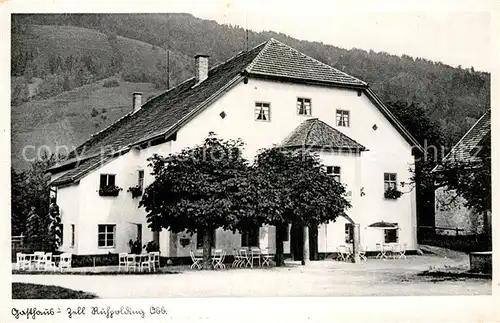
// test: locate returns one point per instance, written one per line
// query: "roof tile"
(316, 133)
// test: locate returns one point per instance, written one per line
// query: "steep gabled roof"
(315, 133)
(160, 117)
(467, 148)
(279, 60)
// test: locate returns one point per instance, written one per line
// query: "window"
(140, 179)
(262, 111)
(390, 235)
(349, 233)
(107, 180)
(343, 118)
(72, 235)
(250, 237)
(199, 238)
(390, 181)
(106, 235)
(303, 106)
(334, 171)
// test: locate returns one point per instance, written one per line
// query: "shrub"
(135, 246)
(94, 112)
(110, 259)
(111, 83)
(152, 246)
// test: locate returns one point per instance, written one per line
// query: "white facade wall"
(387, 152)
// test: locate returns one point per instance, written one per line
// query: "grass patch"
(444, 274)
(35, 291)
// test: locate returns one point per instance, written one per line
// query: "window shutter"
(111, 180)
(102, 181)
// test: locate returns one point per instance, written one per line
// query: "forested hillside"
(52, 54)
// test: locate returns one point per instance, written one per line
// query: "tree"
(55, 227)
(30, 198)
(36, 230)
(295, 189)
(470, 179)
(199, 190)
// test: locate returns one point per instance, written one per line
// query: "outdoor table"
(139, 258)
(32, 259)
(389, 248)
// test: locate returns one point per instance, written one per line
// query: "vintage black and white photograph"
(245, 153)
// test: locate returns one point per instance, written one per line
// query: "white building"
(271, 94)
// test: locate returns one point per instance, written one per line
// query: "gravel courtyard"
(323, 278)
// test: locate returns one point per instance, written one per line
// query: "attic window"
(343, 118)
(222, 114)
(303, 106)
(262, 111)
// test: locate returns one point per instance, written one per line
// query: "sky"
(455, 35)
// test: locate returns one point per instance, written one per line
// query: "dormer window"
(343, 118)
(303, 106)
(262, 111)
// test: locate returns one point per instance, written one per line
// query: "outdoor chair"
(155, 260)
(400, 251)
(362, 253)
(38, 260)
(244, 258)
(65, 261)
(343, 253)
(237, 258)
(146, 261)
(266, 257)
(122, 261)
(132, 263)
(255, 255)
(381, 252)
(218, 259)
(21, 262)
(196, 260)
(48, 263)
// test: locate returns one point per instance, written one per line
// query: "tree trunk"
(355, 243)
(207, 248)
(305, 252)
(279, 257)
(156, 237)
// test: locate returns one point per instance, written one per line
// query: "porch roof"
(318, 134)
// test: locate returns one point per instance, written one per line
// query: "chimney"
(136, 101)
(201, 68)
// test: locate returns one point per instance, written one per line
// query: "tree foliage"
(470, 179)
(30, 195)
(55, 227)
(199, 189)
(292, 187)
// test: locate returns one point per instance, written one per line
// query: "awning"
(384, 225)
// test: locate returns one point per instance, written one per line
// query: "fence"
(438, 230)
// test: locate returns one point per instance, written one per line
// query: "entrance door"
(297, 243)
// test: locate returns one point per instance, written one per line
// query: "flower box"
(109, 190)
(135, 190)
(392, 194)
